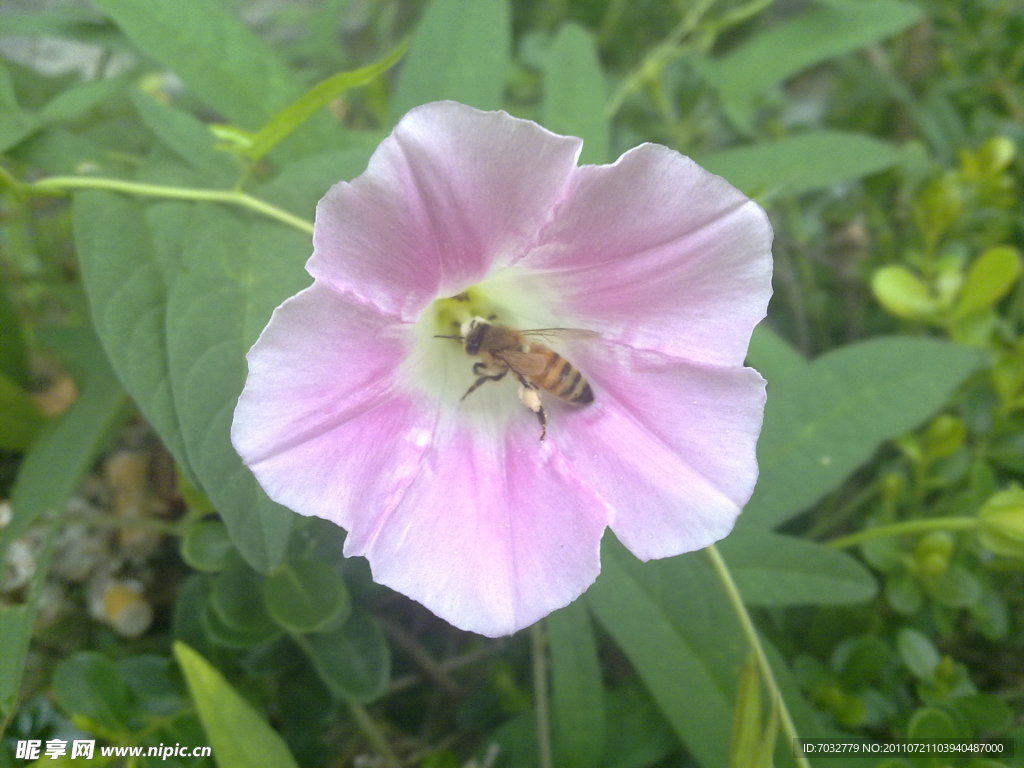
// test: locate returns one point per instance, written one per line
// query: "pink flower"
(352, 408)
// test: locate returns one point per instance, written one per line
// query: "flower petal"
(452, 193)
(321, 422)
(657, 237)
(668, 444)
(494, 533)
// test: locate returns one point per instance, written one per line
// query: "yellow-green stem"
(906, 528)
(538, 647)
(750, 632)
(63, 184)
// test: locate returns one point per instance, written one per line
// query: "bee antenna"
(441, 336)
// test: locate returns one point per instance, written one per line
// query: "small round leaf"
(305, 595)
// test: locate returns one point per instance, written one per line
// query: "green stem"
(755, 645)
(538, 647)
(58, 185)
(369, 728)
(904, 529)
(363, 719)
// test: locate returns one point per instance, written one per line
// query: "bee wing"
(524, 363)
(567, 334)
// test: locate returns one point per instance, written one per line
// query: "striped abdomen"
(561, 378)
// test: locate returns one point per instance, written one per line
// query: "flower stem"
(369, 728)
(755, 645)
(905, 528)
(59, 185)
(538, 647)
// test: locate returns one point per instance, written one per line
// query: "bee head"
(473, 333)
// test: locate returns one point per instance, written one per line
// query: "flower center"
(440, 369)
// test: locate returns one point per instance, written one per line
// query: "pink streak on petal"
(660, 254)
(494, 533)
(452, 194)
(320, 422)
(669, 444)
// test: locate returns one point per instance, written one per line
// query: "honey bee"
(537, 367)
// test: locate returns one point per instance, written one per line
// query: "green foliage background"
(156, 209)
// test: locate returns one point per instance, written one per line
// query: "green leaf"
(575, 93)
(801, 163)
(918, 653)
(577, 689)
(353, 659)
(932, 723)
(20, 418)
(237, 597)
(773, 570)
(315, 99)
(179, 293)
(238, 735)
(48, 476)
(80, 99)
(671, 621)
(990, 277)
(903, 293)
(15, 124)
(460, 51)
(827, 30)
(187, 137)
(90, 684)
(206, 546)
(13, 357)
(304, 595)
(828, 418)
(214, 54)
(16, 622)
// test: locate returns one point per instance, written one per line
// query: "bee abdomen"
(564, 381)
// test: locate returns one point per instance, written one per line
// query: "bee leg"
(530, 397)
(479, 368)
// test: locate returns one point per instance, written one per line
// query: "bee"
(503, 349)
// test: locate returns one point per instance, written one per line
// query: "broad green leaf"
(315, 99)
(80, 99)
(13, 357)
(20, 418)
(238, 735)
(824, 421)
(826, 30)
(460, 51)
(127, 282)
(179, 294)
(15, 123)
(353, 659)
(303, 182)
(216, 56)
(990, 278)
(90, 684)
(236, 269)
(16, 623)
(800, 163)
(187, 137)
(577, 689)
(671, 620)
(574, 92)
(773, 356)
(772, 570)
(304, 595)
